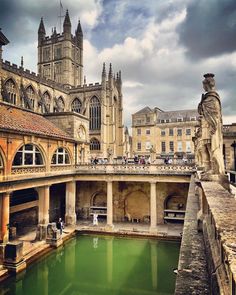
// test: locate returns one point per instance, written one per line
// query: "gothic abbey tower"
(60, 56)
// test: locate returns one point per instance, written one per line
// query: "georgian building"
(165, 133)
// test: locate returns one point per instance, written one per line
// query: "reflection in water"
(117, 266)
(95, 243)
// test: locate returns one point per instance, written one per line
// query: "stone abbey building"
(91, 114)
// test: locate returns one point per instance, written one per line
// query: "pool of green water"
(95, 265)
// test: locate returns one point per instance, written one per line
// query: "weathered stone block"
(13, 257)
(53, 235)
(41, 232)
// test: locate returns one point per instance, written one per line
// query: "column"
(44, 204)
(153, 206)
(5, 217)
(109, 204)
(70, 203)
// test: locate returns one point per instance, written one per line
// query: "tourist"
(60, 225)
(170, 161)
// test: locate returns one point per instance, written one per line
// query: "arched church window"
(76, 105)
(28, 155)
(60, 157)
(11, 90)
(95, 114)
(31, 95)
(94, 144)
(47, 100)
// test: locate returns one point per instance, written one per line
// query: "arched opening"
(23, 210)
(1, 166)
(11, 90)
(60, 157)
(31, 95)
(76, 105)
(60, 105)
(46, 102)
(174, 208)
(95, 144)
(137, 207)
(95, 114)
(28, 155)
(98, 204)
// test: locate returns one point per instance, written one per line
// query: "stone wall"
(192, 275)
(219, 227)
(24, 219)
(129, 198)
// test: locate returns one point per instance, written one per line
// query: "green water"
(94, 265)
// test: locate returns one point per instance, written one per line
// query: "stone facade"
(58, 88)
(165, 133)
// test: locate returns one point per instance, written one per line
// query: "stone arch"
(12, 90)
(66, 152)
(76, 105)
(60, 104)
(137, 205)
(47, 98)
(2, 162)
(175, 202)
(32, 95)
(98, 199)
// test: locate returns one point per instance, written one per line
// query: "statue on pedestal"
(210, 138)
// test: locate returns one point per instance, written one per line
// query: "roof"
(145, 110)
(177, 114)
(15, 119)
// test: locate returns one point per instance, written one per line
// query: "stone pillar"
(109, 204)
(70, 203)
(44, 204)
(5, 217)
(153, 206)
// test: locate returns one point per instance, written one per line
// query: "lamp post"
(233, 145)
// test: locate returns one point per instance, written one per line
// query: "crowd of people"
(139, 160)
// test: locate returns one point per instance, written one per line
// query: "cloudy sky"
(162, 47)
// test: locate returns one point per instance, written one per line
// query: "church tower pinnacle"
(67, 26)
(41, 31)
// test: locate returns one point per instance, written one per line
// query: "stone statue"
(210, 138)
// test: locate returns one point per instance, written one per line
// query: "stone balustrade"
(136, 169)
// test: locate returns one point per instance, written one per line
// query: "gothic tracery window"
(47, 100)
(95, 114)
(28, 155)
(61, 104)
(94, 144)
(76, 105)
(11, 90)
(60, 157)
(31, 95)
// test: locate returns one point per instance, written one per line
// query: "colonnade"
(70, 216)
